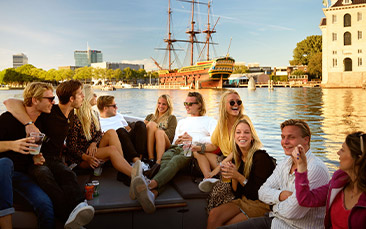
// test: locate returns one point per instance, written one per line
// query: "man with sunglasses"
(196, 128)
(15, 158)
(54, 177)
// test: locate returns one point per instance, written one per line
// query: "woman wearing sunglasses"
(345, 195)
(160, 128)
(230, 110)
(86, 144)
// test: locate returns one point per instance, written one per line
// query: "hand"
(128, 128)
(22, 145)
(31, 128)
(214, 172)
(92, 161)
(196, 148)
(284, 195)
(299, 158)
(92, 149)
(229, 170)
(39, 159)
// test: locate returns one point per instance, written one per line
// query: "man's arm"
(290, 207)
(20, 146)
(17, 109)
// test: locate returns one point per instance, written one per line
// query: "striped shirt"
(288, 213)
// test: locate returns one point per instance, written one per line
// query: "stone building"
(344, 43)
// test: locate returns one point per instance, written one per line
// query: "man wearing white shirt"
(279, 189)
(133, 139)
(196, 128)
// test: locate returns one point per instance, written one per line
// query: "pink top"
(338, 213)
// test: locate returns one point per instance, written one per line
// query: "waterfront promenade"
(331, 113)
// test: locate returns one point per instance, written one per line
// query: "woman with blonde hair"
(86, 144)
(251, 169)
(230, 110)
(160, 128)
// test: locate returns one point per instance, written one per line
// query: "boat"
(108, 88)
(209, 73)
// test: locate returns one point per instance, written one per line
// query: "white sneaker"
(207, 184)
(80, 216)
(145, 166)
(144, 196)
(136, 171)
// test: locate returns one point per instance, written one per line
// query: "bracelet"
(203, 148)
(245, 182)
(28, 123)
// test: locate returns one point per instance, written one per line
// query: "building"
(116, 65)
(344, 43)
(19, 60)
(86, 58)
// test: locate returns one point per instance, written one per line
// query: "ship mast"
(208, 31)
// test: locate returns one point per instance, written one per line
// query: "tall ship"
(205, 72)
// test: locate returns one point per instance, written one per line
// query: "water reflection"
(330, 113)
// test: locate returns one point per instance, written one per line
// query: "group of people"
(247, 187)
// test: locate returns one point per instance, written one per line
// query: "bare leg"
(5, 222)
(162, 143)
(110, 138)
(118, 161)
(222, 214)
(240, 217)
(204, 163)
(151, 128)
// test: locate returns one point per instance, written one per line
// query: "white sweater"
(114, 122)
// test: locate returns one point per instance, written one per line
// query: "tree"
(305, 49)
(240, 69)
(298, 73)
(315, 65)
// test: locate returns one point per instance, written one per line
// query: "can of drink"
(89, 190)
(96, 188)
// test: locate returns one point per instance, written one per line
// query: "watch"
(28, 123)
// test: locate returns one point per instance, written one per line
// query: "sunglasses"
(49, 98)
(112, 105)
(189, 104)
(232, 102)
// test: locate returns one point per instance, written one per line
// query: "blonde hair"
(223, 116)
(167, 113)
(86, 114)
(35, 90)
(255, 145)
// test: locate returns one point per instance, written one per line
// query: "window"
(347, 38)
(334, 19)
(347, 20)
(359, 35)
(334, 52)
(359, 50)
(347, 64)
(335, 62)
(334, 36)
(347, 2)
(359, 61)
(359, 16)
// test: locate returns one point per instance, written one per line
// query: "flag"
(325, 3)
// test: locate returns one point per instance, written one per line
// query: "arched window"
(347, 64)
(347, 38)
(347, 20)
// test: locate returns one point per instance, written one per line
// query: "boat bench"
(181, 205)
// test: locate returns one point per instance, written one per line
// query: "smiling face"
(243, 136)
(235, 109)
(291, 137)
(45, 104)
(162, 105)
(346, 161)
(194, 109)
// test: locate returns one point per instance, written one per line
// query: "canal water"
(330, 113)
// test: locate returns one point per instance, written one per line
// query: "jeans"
(60, 183)
(134, 142)
(172, 161)
(30, 191)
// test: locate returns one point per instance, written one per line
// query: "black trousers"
(134, 142)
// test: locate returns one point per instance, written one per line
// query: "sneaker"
(136, 171)
(145, 166)
(207, 184)
(145, 197)
(80, 216)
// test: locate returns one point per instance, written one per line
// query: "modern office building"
(117, 65)
(19, 60)
(86, 58)
(344, 43)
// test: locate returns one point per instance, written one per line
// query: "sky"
(48, 32)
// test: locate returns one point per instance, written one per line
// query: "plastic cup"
(187, 148)
(98, 170)
(223, 179)
(38, 139)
